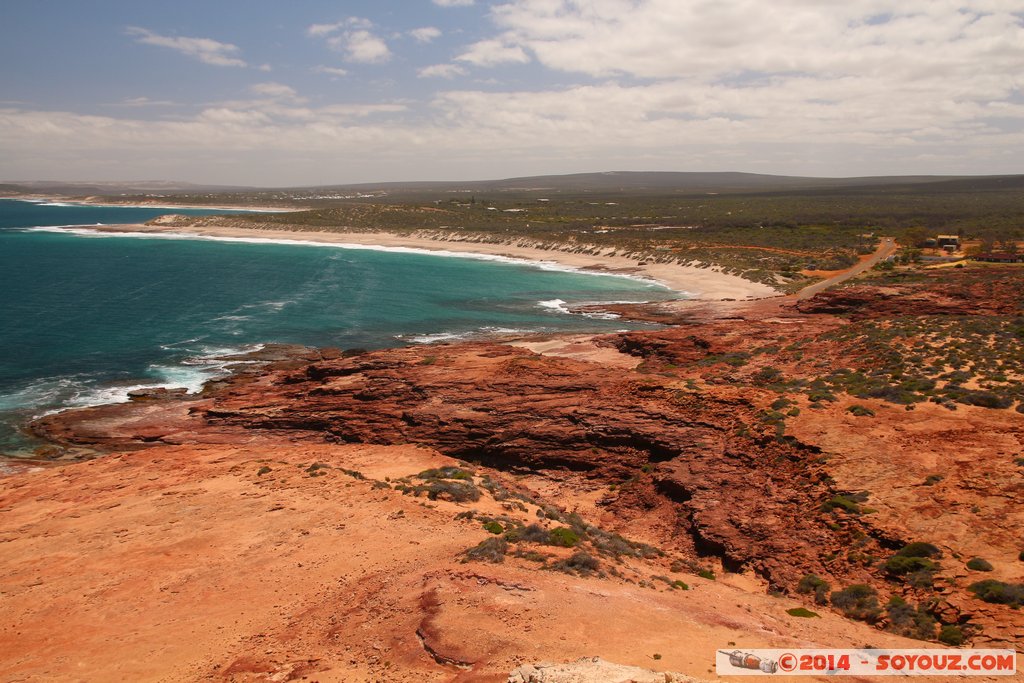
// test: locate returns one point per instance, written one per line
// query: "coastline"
(92, 201)
(695, 282)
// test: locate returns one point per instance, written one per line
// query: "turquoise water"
(87, 317)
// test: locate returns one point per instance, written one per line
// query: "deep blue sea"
(86, 317)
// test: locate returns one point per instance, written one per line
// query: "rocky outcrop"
(992, 292)
(592, 670)
(725, 482)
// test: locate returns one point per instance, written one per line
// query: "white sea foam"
(54, 394)
(233, 209)
(557, 305)
(552, 266)
(560, 306)
(446, 337)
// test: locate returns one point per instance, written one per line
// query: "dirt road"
(886, 248)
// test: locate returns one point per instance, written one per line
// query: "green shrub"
(951, 635)
(933, 479)
(908, 621)
(488, 550)
(858, 601)
(897, 565)
(494, 527)
(984, 399)
(563, 536)
(919, 549)
(813, 583)
(448, 472)
(801, 612)
(680, 585)
(531, 555)
(455, 491)
(581, 563)
(767, 375)
(998, 592)
(706, 574)
(263, 470)
(846, 502)
(860, 411)
(979, 564)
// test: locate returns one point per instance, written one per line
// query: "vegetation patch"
(563, 536)
(491, 549)
(848, 502)
(860, 411)
(912, 622)
(979, 564)
(951, 635)
(814, 585)
(859, 601)
(580, 563)
(999, 592)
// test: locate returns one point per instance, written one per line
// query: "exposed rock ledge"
(592, 670)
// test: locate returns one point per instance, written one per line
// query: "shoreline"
(695, 282)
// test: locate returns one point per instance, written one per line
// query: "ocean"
(87, 317)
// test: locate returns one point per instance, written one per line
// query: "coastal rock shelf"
(691, 477)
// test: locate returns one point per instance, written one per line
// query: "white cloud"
(205, 50)
(441, 71)
(715, 40)
(354, 38)
(453, 3)
(265, 67)
(425, 34)
(277, 91)
(320, 30)
(826, 87)
(143, 102)
(331, 70)
(493, 52)
(361, 46)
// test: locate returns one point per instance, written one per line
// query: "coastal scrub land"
(776, 230)
(842, 469)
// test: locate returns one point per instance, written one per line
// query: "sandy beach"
(696, 282)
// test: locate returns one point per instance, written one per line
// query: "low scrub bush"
(449, 472)
(951, 635)
(563, 536)
(858, 601)
(860, 411)
(489, 550)
(979, 564)
(814, 584)
(581, 563)
(998, 592)
(909, 621)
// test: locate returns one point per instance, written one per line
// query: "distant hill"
(684, 183)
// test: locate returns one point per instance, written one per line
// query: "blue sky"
(318, 92)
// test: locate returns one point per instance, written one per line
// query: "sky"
(312, 92)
